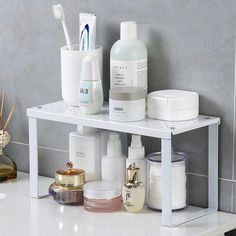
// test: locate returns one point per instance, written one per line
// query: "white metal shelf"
(60, 112)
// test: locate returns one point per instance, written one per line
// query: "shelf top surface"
(59, 111)
(22, 215)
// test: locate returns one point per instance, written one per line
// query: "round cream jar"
(127, 104)
(102, 196)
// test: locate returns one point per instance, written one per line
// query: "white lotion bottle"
(128, 59)
(136, 154)
(113, 164)
(85, 152)
(90, 88)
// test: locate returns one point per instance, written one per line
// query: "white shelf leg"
(166, 182)
(213, 166)
(33, 156)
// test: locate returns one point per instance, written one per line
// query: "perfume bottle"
(133, 192)
(8, 169)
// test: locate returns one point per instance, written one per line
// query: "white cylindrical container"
(173, 105)
(127, 104)
(113, 164)
(128, 59)
(71, 62)
(136, 154)
(178, 181)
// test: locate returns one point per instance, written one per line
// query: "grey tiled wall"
(191, 46)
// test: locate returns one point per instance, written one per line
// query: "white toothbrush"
(60, 15)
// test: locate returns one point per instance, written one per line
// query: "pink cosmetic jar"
(102, 196)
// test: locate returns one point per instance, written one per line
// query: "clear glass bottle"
(8, 168)
(133, 191)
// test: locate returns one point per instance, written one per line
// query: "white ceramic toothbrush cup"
(71, 61)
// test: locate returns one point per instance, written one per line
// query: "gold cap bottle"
(133, 192)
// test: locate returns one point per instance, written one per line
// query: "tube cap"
(128, 30)
(90, 69)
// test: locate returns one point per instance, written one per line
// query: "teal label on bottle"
(86, 92)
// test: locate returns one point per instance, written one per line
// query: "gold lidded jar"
(68, 185)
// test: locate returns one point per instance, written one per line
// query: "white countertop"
(24, 216)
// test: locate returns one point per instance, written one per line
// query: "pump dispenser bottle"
(136, 154)
(128, 59)
(113, 164)
(133, 192)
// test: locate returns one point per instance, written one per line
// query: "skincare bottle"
(136, 154)
(90, 87)
(85, 152)
(133, 192)
(128, 59)
(113, 164)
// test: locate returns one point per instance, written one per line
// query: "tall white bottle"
(136, 154)
(90, 87)
(113, 164)
(85, 152)
(128, 59)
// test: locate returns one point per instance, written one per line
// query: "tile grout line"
(234, 131)
(41, 147)
(61, 150)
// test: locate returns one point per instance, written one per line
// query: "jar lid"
(127, 93)
(102, 190)
(176, 157)
(71, 177)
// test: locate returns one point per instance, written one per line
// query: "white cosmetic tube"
(87, 31)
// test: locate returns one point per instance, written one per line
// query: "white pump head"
(136, 149)
(114, 148)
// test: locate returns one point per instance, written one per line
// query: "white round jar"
(127, 104)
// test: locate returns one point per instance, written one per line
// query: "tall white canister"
(71, 61)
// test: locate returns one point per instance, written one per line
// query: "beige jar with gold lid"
(68, 185)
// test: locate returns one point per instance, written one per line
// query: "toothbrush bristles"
(58, 11)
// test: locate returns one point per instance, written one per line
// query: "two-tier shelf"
(60, 112)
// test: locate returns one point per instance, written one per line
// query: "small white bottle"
(128, 59)
(113, 164)
(136, 154)
(85, 152)
(90, 87)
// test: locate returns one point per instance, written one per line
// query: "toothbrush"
(59, 14)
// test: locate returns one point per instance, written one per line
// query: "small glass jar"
(8, 168)
(102, 196)
(178, 181)
(68, 186)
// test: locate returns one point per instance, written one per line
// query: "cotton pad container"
(173, 105)
(127, 104)
(178, 181)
